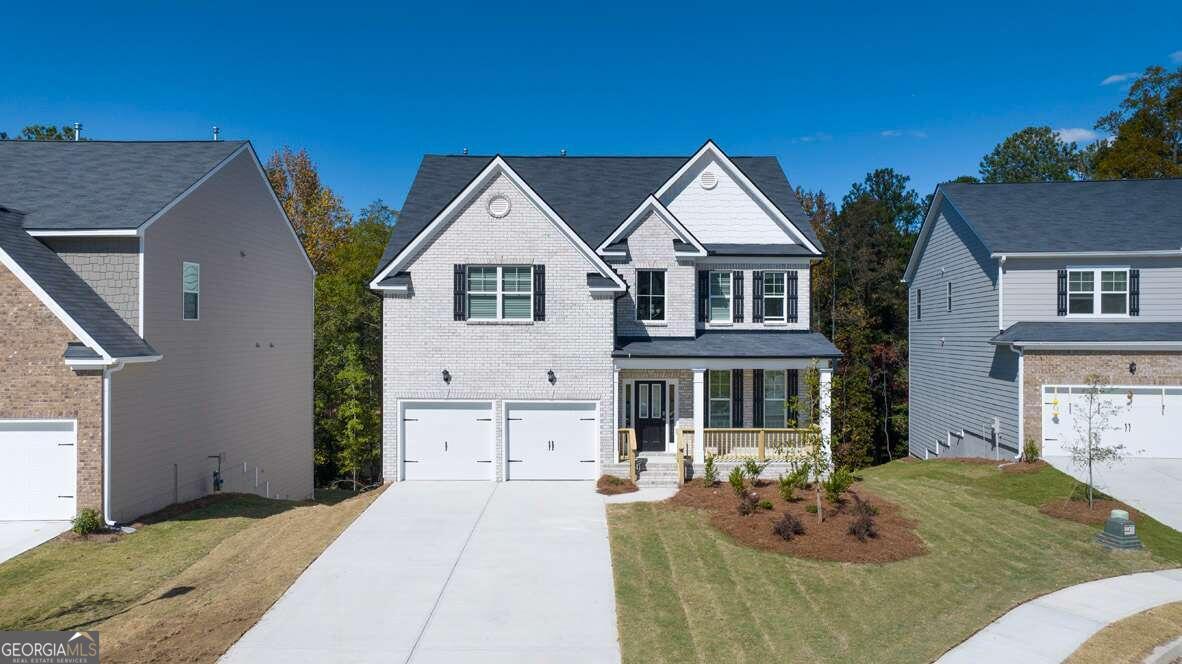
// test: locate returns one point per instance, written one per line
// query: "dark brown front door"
(650, 415)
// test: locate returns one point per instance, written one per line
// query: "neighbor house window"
(720, 297)
(1110, 299)
(775, 297)
(500, 293)
(720, 399)
(775, 399)
(918, 304)
(650, 295)
(191, 290)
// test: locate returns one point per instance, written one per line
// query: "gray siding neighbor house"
(544, 314)
(157, 326)
(1018, 293)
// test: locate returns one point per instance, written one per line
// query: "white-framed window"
(720, 399)
(501, 292)
(775, 297)
(720, 297)
(775, 399)
(190, 291)
(650, 295)
(1097, 292)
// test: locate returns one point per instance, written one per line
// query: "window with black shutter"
(539, 292)
(757, 395)
(757, 296)
(460, 311)
(793, 396)
(703, 294)
(1062, 303)
(737, 398)
(1134, 292)
(738, 310)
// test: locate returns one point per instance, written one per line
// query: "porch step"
(657, 470)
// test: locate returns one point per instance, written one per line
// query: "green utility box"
(1119, 532)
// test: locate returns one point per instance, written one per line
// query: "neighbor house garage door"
(1146, 420)
(37, 470)
(447, 441)
(551, 441)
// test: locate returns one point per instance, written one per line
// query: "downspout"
(1021, 399)
(115, 368)
(1001, 293)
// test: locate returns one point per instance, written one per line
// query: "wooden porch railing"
(626, 450)
(761, 444)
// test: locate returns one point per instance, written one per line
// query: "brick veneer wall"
(1072, 367)
(35, 382)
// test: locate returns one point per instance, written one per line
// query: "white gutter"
(118, 366)
(1084, 254)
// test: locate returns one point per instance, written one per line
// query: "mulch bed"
(101, 536)
(830, 540)
(611, 486)
(1021, 467)
(1077, 510)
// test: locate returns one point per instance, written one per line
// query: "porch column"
(824, 409)
(699, 416)
(619, 421)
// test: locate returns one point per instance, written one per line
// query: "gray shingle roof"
(1097, 215)
(69, 291)
(592, 194)
(757, 250)
(1089, 332)
(64, 185)
(730, 343)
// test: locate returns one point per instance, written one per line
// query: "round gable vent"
(708, 180)
(498, 206)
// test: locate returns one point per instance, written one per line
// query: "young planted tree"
(1091, 446)
(817, 457)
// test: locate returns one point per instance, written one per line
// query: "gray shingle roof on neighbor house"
(69, 291)
(65, 185)
(730, 343)
(592, 194)
(1096, 215)
(1089, 332)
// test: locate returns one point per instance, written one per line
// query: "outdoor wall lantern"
(447, 376)
(551, 377)
(1132, 367)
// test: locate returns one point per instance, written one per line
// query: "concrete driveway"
(16, 537)
(454, 572)
(1153, 486)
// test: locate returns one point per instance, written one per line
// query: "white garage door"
(551, 441)
(1146, 420)
(37, 470)
(447, 441)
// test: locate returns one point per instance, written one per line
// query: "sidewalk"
(1051, 627)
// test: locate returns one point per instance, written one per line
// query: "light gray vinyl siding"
(1031, 287)
(109, 265)
(958, 380)
(748, 266)
(237, 382)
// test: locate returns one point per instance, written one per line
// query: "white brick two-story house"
(537, 307)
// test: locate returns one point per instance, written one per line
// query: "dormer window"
(650, 295)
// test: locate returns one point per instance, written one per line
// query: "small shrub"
(787, 488)
(788, 527)
(736, 481)
(800, 475)
(765, 505)
(863, 507)
(748, 504)
(88, 522)
(863, 528)
(1030, 451)
(810, 508)
(838, 482)
(710, 472)
(753, 469)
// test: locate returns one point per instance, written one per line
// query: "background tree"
(317, 213)
(38, 132)
(1146, 130)
(1033, 154)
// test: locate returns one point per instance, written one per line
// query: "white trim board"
(659, 209)
(496, 166)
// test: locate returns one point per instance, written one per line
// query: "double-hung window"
(500, 293)
(775, 399)
(1092, 292)
(720, 399)
(191, 291)
(650, 295)
(775, 297)
(720, 297)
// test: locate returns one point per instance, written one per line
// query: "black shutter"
(539, 292)
(792, 299)
(460, 301)
(1062, 293)
(757, 396)
(1134, 292)
(757, 296)
(703, 294)
(792, 391)
(737, 398)
(738, 295)
(705, 405)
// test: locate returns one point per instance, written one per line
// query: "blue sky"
(833, 92)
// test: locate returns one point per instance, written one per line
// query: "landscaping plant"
(765, 505)
(787, 488)
(1089, 447)
(788, 526)
(838, 482)
(1030, 451)
(748, 504)
(87, 522)
(710, 473)
(738, 485)
(753, 469)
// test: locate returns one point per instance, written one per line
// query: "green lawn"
(685, 592)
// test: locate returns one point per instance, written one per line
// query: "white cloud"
(1120, 78)
(891, 132)
(915, 133)
(813, 138)
(1176, 56)
(1076, 135)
